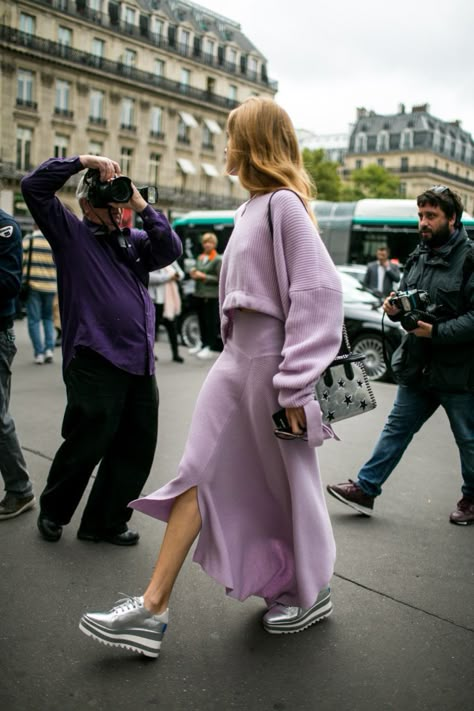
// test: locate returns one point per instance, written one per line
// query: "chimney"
(361, 112)
(420, 109)
(401, 108)
(456, 122)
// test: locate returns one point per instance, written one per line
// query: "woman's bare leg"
(183, 527)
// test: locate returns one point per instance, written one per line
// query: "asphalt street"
(401, 636)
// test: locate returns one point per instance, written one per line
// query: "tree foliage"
(323, 173)
(373, 181)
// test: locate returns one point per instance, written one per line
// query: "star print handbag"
(344, 390)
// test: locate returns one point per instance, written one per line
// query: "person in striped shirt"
(39, 270)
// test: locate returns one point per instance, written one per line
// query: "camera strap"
(126, 254)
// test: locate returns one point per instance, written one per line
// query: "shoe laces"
(126, 603)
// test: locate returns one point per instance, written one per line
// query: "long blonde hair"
(264, 150)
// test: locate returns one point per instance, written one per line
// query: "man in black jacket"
(18, 489)
(381, 275)
(435, 363)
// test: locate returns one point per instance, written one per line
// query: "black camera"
(117, 190)
(415, 306)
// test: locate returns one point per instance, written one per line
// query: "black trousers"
(111, 418)
(170, 329)
(209, 324)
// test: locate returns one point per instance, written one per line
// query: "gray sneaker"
(13, 505)
(127, 625)
(280, 619)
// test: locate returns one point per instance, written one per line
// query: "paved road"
(401, 636)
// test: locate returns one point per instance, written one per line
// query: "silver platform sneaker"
(127, 625)
(280, 619)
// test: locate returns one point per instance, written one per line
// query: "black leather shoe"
(126, 538)
(88, 536)
(50, 530)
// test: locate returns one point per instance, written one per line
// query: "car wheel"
(190, 333)
(371, 345)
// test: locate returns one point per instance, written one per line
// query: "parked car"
(367, 332)
(362, 316)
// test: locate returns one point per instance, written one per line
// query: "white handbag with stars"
(344, 390)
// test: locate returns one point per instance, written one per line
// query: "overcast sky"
(331, 57)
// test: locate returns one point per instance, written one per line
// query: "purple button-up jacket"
(103, 300)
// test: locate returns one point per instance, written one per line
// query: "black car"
(362, 316)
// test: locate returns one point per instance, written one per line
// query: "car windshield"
(355, 293)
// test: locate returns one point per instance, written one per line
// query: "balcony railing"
(64, 113)
(17, 39)
(454, 177)
(158, 135)
(98, 121)
(143, 33)
(26, 104)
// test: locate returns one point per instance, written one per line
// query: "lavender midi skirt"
(265, 526)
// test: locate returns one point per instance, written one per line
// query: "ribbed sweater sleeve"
(290, 277)
(311, 293)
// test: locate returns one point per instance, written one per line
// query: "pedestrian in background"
(40, 271)
(206, 296)
(165, 294)
(256, 500)
(434, 365)
(382, 274)
(108, 334)
(18, 488)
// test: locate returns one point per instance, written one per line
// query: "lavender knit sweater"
(290, 277)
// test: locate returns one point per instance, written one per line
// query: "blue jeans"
(411, 409)
(12, 462)
(39, 309)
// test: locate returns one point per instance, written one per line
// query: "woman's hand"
(297, 418)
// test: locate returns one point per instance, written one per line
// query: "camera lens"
(119, 190)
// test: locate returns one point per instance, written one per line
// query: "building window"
(95, 5)
(24, 90)
(127, 111)
(64, 36)
(96, 111)
(381, 162)
(232, 94)
(183, 132)
(159, 68)
(153, 168)
(436, 139)
(404, 165)
(232, 57)
(23, 148)
(468, 154)
(361, 143)
(63, 97)
(126, 155)
(96, 148)
(129, 16)
(185, 40)
(382, 141)
(156, 121)
(358, 164)
(185, 78)
(406, 139)
(207, 141)
(60, 146)
(129, 58)
(403, 190)
(27, 24)
(98, 47)
(157, 28)
(252, 67)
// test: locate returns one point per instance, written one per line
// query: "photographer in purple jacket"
(108, 322)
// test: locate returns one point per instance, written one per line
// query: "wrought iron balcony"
(16, 39)
(143, 32)
(26, 104)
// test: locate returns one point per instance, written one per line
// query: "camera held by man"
(117, 190)
(415, 305)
